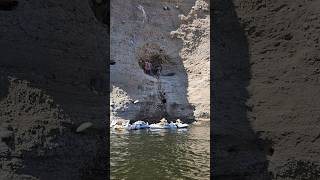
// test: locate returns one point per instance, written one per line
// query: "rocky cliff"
(141, 31)
(194, 30)
(266, 77)
(53, 78)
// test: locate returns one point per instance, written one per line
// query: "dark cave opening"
(153, 54)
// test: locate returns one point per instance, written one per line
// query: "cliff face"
(195, 33)
(140, 31)
(53, 78)
(266, 56)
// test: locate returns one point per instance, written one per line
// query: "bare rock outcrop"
(52, 79)
(195, 33)
(140, 31)
(266, 113)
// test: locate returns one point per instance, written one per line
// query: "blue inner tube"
(139, 126)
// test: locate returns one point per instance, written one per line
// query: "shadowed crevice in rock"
(101, 11)
(237, 152)
(4, 88)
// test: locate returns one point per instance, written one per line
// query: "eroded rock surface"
(266, 77)
(52, 79)
(140, 31)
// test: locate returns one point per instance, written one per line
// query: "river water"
(161, 154)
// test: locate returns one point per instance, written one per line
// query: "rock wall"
(141, 29)
(53, 78)
(266, 74)
(195, 33)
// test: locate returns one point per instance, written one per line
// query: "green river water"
(161, 154)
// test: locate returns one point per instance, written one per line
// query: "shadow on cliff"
(78, 86)
(4, 86)
(74, 157)
(237, 151)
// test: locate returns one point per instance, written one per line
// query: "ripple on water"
(162, 154)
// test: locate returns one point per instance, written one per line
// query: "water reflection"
(162, 154)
